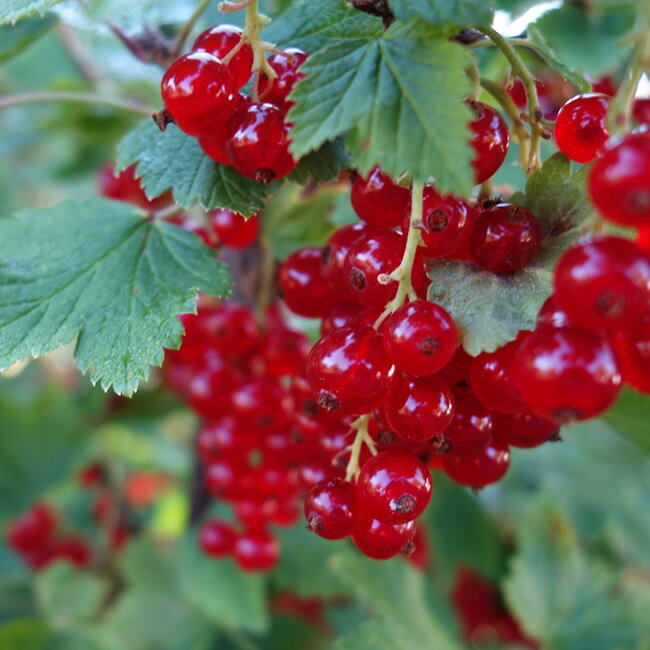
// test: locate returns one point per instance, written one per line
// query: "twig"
(75, 97)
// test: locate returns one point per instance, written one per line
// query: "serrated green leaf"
(323, 165)
(100, 270)
(459, 13)
(547, 53)
(491, 309)
(631, 416)
(13, 10)
(588, 41)
(399, 98)
(174, 160)
(15, 38)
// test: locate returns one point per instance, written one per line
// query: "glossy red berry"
(287, 66)
(346, 314)
(230, 328)
(32, 529)
(222, 476)
(524, 429)
(487, 466)
(217, 538)
(215, 148)
(348, 370)
(72, 549)
(418, 409)
(377, 200)
(330, 509)
(302, 284)
(505, 239)
(199, 92)
(490, 141)
(581, 126)
(491, 378)
(373, 256)
(420, 338)
(224, 436)
(262, 403)
(641, 110)
(472, 427)
(566, 374)
(550, 315)
(218, 41)
(256, 550)
(335, 253)
(632, 347)
(258, 146)
(233, 229)
(284, 351)
(603, 283)
(394, 486)
(457, 370)
(125, 186)
(379, 540)
(619, 181)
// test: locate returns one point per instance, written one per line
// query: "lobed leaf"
(458, 13)
(11, 11)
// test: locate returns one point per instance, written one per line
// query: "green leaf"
(566, 599)
(67, 595)
(13, 10)
(399, 98)
(324, 164)
(14, 39)
(48, 422)
(547, 53)
(631, 416)
(100, 270)
(491, 309)
(174, 160)
(458, 13)
(23, 635)
(588, 41)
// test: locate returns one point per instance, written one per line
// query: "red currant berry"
(641, 110)
(222, 476)
(72, 549)
(255, 513)
(258, 146)
(233, 229)
(484, 468)
(262, 403)
(348, 370)
(225, 435)
(379, 540)
(581, 126)
(256, 550)
(125, 186)
(218, 41)
(491, 379)
(550, 315)
(32, 529)
(618, 181)
(215, 148)
(524, 429)
(420, 338)
(330, 509)
(217, 538)
(419, 409)
(632, 347)
(603, 283)
(335, 253)
(490, 141)
(505, 239)
(346, 314)
(302, 284)
(286, 65)
(566, 374)
(394, 486)
(378, 201)
(229, 328)
(457, 370)
(472, 427)
(199, 92)
(284, 351)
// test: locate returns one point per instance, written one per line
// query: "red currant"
(641, 110)
(233, 229)
(457, 370)
(490, 141)
(125, 186)
(32, 529)
(581, 126)
(284, 351)
(485, 467)
(218, 41)
(286, 64)
(550, 315)
(225, 435)
(378, 201)
(472, 427)
(379, 540)
(345, 314)
(330, 509)
(217, 538)
(335, 253)
(524, 429)
(256, 550)
(632, 347)
(262, 403)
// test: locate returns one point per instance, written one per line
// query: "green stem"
(185, 30)
(528, 81)
(255, 22)
(515, 42)
(474, 75)
(362, 436)
(76, 97)
(402, 274)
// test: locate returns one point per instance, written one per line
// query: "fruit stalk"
(361, 425)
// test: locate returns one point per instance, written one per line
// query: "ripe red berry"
(379, 540)
(258, 146)
(484, 468)
(603, 283)
(286, 64)
(199, 92)
(217, 538)
(550, 315)
(302, 284)
(379, 201)
(619, 181)
(335, 253)
(394, 486)
(524, 429)
(330, 509)
(472, 427)
(32, 529)
(581, 126)
(420, 338)
(229, 328)
(262, 403)
(73, 549)
(348, 370)
(215, 148)
(417, 409)
(218, 41)
(490, 141)
(345, 314)
(224, 436)
(632, 347)
(222, 476)
(125, 186)
(566, 374)
(457, 370)
(505, 239)
(256, 550)
(233, 229)
(641, 110)
(284, 351)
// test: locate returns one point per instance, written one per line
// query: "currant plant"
(373, 248)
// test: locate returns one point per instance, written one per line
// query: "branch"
(74, 97)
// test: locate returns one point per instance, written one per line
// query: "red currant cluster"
(201, 94)
(126, 187)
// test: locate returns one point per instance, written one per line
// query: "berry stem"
(187, 27)
(402, 274)
(361, 425)
(76, 97)
(620, 109)
(528, 81)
